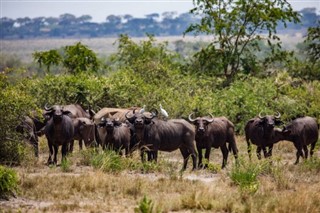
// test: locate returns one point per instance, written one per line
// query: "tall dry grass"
(282, 186)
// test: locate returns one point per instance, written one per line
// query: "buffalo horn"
(47, 108)
(260, 116)
(190, 118)
(210, 120)
(126, 115)
(278, 116)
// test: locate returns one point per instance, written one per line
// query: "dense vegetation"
(68, 25)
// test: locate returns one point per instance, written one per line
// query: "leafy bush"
(145, 206)
(8, 181)
(246, 175)
(14, 103)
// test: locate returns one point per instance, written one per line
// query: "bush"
(14, 103)
(8, 181)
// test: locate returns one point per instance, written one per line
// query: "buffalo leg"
(259, 152)
(80, 144)
(207, 156)
(185, 155)
(249, 148)
(70, 149)
(305, 149)
(64, 150)
(56, 149)
(299, 152)
(270, 148)
(225, 153)
(200, 165)
(312, 148)
(265, 153)
(50, 153)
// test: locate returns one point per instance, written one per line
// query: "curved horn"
(47, 108)
(260, 116)
(210, 120)
(278, 116)
(126, 115)
(154, 112)
(190, 118)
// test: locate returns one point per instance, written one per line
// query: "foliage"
(8, 181)
(14, 104)
(66, 165)
(313, 39)
(47, 58)
(238, 26)
(79, 58)
(246, 176)
(75, 58)
(108, 161)
(145, 206)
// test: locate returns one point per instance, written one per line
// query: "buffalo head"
(109, 123)
(201, 123)
(140, 119)
(55, 112)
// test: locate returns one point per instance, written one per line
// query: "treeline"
(166, 24)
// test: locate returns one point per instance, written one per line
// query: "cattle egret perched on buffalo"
(163, 112)
(143, 109)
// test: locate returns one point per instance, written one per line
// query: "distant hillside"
(70, 26)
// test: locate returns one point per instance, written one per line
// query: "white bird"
(163, 112)
(143, 109)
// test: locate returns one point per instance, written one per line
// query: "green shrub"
(145, 206)
(8, 181)
(245, 175)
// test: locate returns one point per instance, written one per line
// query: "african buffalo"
(84, 130)
(28, 129)
(260, 131)
(214, 132)
(115, 113)
(59, 131)
(154, 134)
(302, 132)
(116, 135)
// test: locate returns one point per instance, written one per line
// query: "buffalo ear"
(117, 123)
(278, 122)
(66, 112)
(131, 120)
(147, 120)
(286, 132)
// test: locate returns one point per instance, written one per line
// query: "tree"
(47, 58)
(79, 58)
(237, 26)
(75, 58)
(313, 40)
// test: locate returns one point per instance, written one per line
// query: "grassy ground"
(103, 182)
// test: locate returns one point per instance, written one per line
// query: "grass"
(119, 184)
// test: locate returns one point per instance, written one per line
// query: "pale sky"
(100, 9)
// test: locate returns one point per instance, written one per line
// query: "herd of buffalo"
(135, 129)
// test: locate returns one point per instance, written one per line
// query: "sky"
(100, 9)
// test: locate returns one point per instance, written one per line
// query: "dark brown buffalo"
(59, 131)
(260, 131)
(302, 132)
(28, 129)
(114, 113)
(76, 111)
(214, 132)
(84, 130)
(116, 135)
(158, 135)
